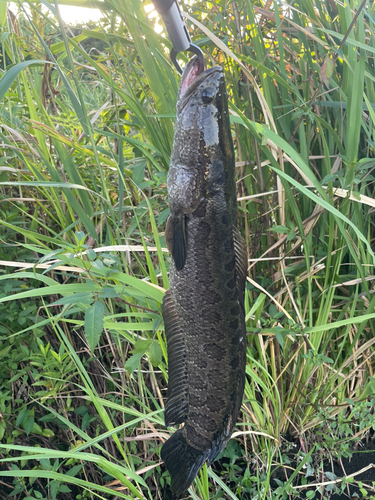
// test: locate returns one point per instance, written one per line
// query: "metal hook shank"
(177, 31)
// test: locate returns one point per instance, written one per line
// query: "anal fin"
(176, 406)
(241, 259)
(175, 239)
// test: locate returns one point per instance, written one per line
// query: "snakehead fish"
(203, 310)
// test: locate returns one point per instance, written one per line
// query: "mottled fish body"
(204, 309)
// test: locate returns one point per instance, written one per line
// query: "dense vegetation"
(86, 127)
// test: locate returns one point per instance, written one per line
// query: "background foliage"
(86, 129)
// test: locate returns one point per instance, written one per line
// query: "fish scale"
(203, 310)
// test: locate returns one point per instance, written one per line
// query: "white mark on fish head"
(209, 125)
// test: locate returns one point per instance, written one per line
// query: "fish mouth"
(195, 73)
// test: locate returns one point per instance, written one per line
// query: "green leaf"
(52, 290)
(94, 324)
(331, 476)
(328, 178)
(124, 327)
(279, 229)
(155, 354)
(67, 479)
(48, 433)
(154, 292)
(280, 338)
(74, 470)
(4, 352)
(3, 13)
(60, 46)
(4, 35)
(108, 293)
(54, 488)
(12, 73)
(141, 346)
(36, 429)
(309, 470)
(80, 237)
(338, 324)
(45, 463)
(163, 216)
(28, 424)
(133, 362)
(91, 254)
(64, 489)
(22, 415)
(139, 172)
(326, 359)
(83, 297)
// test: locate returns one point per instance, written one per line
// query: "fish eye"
(207, 96)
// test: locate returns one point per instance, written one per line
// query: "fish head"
(204, 128)
(202, 100)
(202, 160)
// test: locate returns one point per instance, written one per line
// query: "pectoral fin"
(175, 239)
(177, 402)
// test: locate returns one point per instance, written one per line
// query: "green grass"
(86, 138)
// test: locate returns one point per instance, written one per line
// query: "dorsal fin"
(241, 259)
(176, 406)
(175, 239)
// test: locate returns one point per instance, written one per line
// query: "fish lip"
(201, 78)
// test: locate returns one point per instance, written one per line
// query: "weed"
(86, 137)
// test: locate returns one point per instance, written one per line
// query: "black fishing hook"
(192, 48)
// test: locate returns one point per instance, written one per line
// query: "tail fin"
(182, 461)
